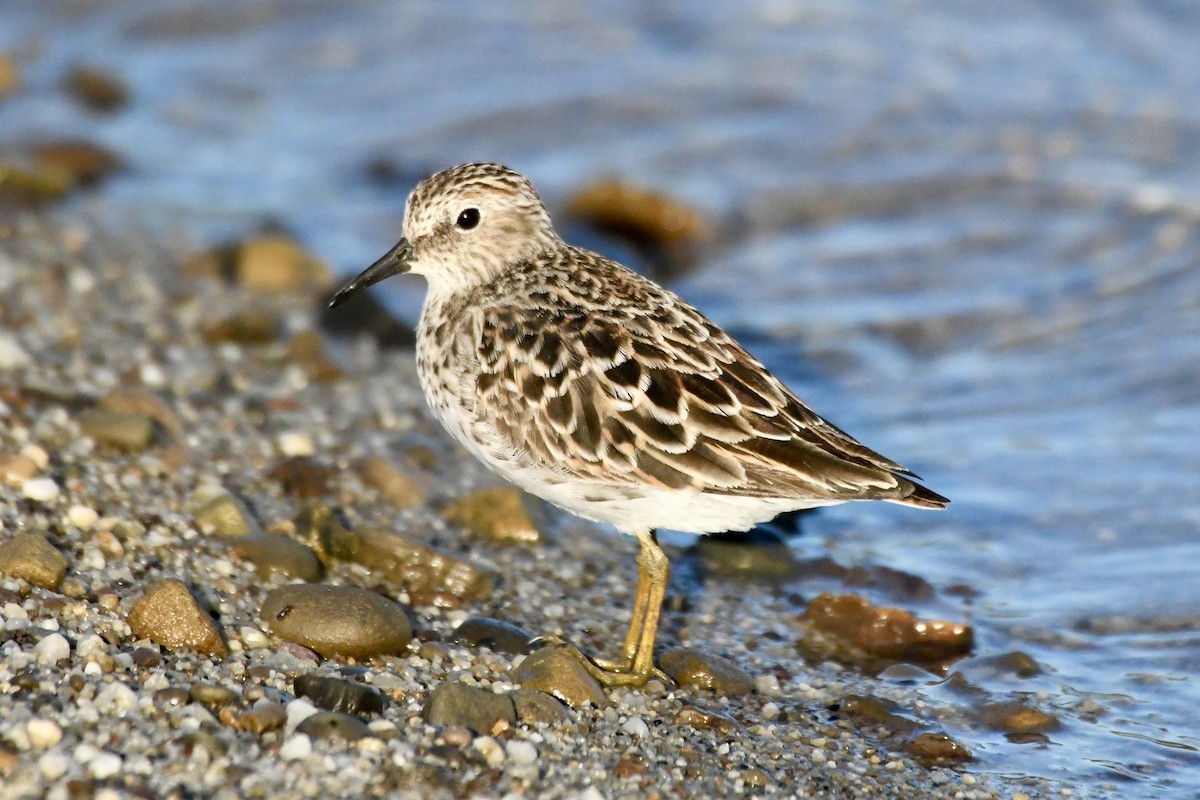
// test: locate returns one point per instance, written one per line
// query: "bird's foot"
(625, 672)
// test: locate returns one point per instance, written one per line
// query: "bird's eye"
(468, 219)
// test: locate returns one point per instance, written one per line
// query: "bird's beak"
(394, 262)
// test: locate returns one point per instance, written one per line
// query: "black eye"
(468, 219)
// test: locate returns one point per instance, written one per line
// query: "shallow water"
(965, 232)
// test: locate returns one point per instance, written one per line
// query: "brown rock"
(30, 557)
(337, 620)
(302, 477)
(9, 758)
(1014, 717)
(874, 711)
(278, 554)
(131, 433)
(333, 725)
(663, 229)
(757, 555)
(386, 478)
(10, 75)
(700, 670)
(430, 575)
(538, 708)
(211, 695)
(495, 634)
(556, 672)
(308, 352)
(169, 616)
(457, 704)
(496, 514)
(264, 718)
(855, 631)
(34, 184)
(267, 264)
(83, 163)
(224, 513)
(15, 470)
(707, 719)
(96, 88)
(250, 326)
(933, 748)
(144, 403)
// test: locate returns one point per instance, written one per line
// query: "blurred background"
(965, 231)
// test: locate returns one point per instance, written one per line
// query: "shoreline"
(177, 406)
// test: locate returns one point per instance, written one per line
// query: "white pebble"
(767, 686)
(39, 457)
(590, 793)
(82, 517)
(116, 698)
(297, 748)
(770, 711)
(295, 443)
(52, 649)
(153, 376)
(105, 765)
(253, 638)
(84, 753)
(12, 355)
(490, 749)
(297, 711)
(521, 753)
(42, 490)
(91, 647)
(636, 726)
(53, 765)
(13, 611)
(43, 733)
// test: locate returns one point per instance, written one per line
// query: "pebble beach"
(239, 559)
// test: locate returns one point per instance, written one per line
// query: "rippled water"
(968, 232)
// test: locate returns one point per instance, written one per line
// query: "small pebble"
(82, 517)
(297, 748)
(636, 726)
(490, 749)
(52, 649)
(105, 765)
(521, 753)
(168, 615)
(43, 733)
(12, 355)
(295, 443)
(53, 765)
(43, 490)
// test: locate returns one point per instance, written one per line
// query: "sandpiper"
(598, 390)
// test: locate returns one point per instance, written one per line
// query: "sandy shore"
(171, 438)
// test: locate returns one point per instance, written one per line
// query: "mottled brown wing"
(652, 392)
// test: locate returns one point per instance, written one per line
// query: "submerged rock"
(848, 629)
(96, 88)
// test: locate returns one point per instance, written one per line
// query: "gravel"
(89, 705)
